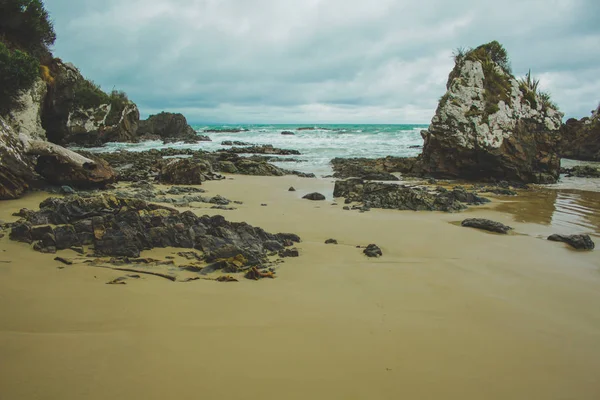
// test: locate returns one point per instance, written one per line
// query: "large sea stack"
(489, 125)
(580, 139)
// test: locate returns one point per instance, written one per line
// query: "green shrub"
(493, 51)
(86, 94)
(529, 86)
(18, 71)
(118, 100)
(26, 25)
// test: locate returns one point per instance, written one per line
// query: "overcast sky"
(319, 61)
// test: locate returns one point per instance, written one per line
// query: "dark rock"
(289, 253)
(331, 241)
(373, 250)
(218, 199)
(314, 196)
(287, 133)
(487, 225)
(374, 169)
(583, 171)
(170, 127)
(262, 149)
(186, 171)
(580, 242)
(38, 232)
(64, 260)
(234, 143)
(67, 190)
(580, 139)
(21, 232)
(124, 227)
(396, 197)
(291, 189)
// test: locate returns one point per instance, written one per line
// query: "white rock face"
(466, 93)
(27, 119)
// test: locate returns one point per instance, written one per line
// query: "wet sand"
(447, 312)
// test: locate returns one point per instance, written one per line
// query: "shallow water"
(566, 211)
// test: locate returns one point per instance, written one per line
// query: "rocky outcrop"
(486, 225)
(401, 197)
(187, 171)
(70, 118)
(124, 227)
(581, 171)
(262, 149)
(16, 168)
(170, 128)
(27, 117)
(488, 125)
(580, 139)
(372, 168)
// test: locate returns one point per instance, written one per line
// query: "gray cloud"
(382, 61)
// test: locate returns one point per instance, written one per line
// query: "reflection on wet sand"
(566, 211)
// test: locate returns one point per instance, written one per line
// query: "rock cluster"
(402, 197)
(124, 227)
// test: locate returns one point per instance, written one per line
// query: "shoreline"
(479, 314)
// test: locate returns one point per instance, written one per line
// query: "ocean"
(317, 146)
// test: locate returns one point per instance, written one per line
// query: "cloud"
(381, 61)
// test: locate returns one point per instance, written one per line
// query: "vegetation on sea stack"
(18, 71)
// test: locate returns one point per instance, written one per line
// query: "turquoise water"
(317, 146)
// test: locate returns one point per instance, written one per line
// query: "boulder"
(169, 127)
(487, 225)
(579, 242)
(314, 196)
(488, 125)
(580, 139)
(373, 251)
(288, 133)
(187, 171)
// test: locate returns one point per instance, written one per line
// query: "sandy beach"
(447, 313)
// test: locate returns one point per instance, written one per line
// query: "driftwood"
(169, 277)
(43, 148)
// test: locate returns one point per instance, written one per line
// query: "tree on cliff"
(25, 24)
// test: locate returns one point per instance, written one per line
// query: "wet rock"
(118, 281)
(218, 199)
(289, 253)
(581, 171)
(373, 250)
(63, 260)
(291, 189)
(396, 197)
(487, 225)
(580, 242)
(331, 241)
(314, 196)
(380, 176)
(67, 190)
(255, 274)
(234, 143)
(187, 171)
(125, 227)
(262, 149)
(287, 133)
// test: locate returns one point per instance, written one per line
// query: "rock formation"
(124, 227)
(488, 125)
(169, 127)
(580, 139)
